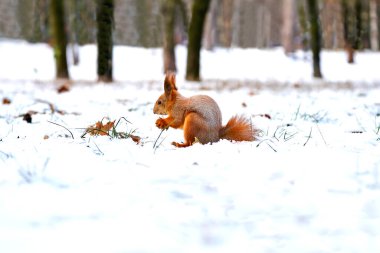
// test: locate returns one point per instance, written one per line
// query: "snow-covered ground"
(311, 183)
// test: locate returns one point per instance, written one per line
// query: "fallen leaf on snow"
(63, 88)
(28, 116)
(135, 138)
(100, 129)
(6, 101)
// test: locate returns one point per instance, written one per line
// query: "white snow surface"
(310, 183)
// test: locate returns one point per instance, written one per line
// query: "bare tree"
(236, 23)
(347, 33)
(332, 24)
(199, 11)
(359, 24)
(353, 26)
(303, 25)
(169, 11)
(226, 23)
(210, 33)
(374, 25)
(288, 25)
(104, 19)
(58, 35)
(315, 36)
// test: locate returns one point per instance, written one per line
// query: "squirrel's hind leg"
(181, 145)
(191, 128)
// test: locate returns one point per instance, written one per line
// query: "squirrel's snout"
(158, 111)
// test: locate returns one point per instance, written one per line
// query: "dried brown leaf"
(6, 101)
(27, 117)
(135, 138)
(63, 88)
(100, 129)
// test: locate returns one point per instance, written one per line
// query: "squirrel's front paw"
(161, 124)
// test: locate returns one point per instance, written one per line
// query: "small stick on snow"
(72, 136)
(154, 145)
(319, 130)
(308, 138)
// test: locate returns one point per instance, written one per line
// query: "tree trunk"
(199, 11)
(168, 13)
(303, 24)
(211, 26)
(288, 25)
(373, 25)
(226, 21)
(142, 22)
(347, 23)
(359, 24)
(332, 25)
(353, 27)
(104, 19)
(345, 15)
(315, 36)
(59, 40)
(236, 23)
(339, 29)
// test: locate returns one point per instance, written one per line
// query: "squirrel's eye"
(159, 102)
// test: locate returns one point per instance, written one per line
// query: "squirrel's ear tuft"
(169, 83)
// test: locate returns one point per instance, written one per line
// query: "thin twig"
(98, 148)
(258, 144)
(275, 132)
(297, 112)
(319, 130)
(72, 136)
(51, 106)
(282, 133)
(5, 154)
(154, 145)
(159, 144)
(272, 147)
(289, 137)
(262, 141)
(123, 119)
(311, 129)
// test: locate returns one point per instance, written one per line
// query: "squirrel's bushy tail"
(238, 128)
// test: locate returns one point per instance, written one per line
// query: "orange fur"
(238, 128)
(199, 117)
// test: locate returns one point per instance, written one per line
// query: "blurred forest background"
(342, 24)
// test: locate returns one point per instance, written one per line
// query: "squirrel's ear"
(169, 83)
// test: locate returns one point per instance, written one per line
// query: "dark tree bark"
(345, 15)
(315, 36)
(226, 21)
(374, 33)
(168, 13)
(287, 26)
(199, 11)
(303, 25)
(104, 19)
(359, 24)
(142, 22)
(352, 12)
(347, 24)
(211, 26)
(58, 37)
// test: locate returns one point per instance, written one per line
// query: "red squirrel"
(199, 116)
